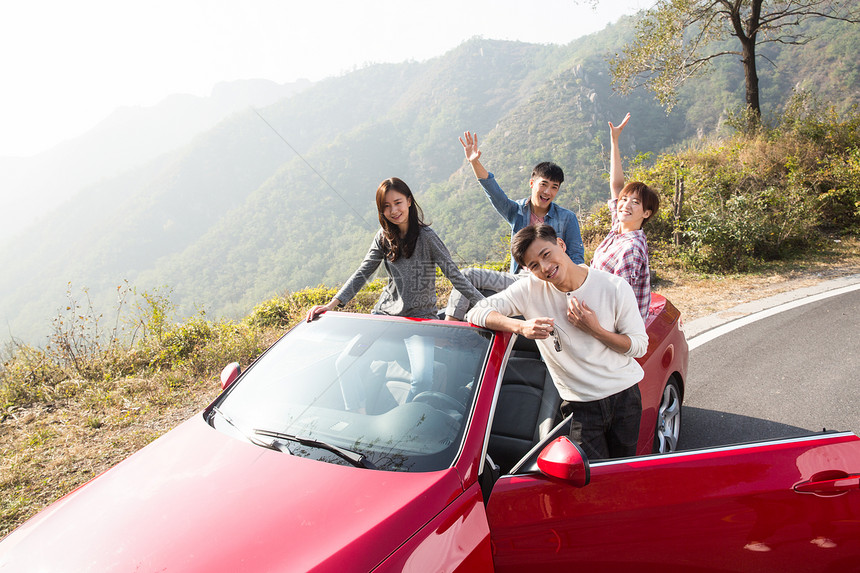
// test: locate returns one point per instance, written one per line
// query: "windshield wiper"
(355, 458)
(253, 439)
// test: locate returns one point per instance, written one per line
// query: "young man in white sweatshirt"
(588, 329)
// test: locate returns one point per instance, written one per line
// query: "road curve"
(779, 367)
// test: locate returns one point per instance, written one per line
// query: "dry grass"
(48, 450)
(700, 295)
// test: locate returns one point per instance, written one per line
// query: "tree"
(677, 39)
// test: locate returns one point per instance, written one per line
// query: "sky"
(65, 66)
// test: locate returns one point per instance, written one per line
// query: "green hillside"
(238, 216)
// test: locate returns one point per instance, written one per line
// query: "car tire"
(668, 429)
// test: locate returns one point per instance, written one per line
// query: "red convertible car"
(474, 473)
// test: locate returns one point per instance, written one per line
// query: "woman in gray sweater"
(410, 251)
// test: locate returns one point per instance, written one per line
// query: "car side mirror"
(564, 460)
(229, 374)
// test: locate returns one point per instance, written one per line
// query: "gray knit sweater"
(411, 288)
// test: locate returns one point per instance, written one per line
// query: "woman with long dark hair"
(410, 251)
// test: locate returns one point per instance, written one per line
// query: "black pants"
(606, 428)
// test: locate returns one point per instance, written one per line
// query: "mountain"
(129, 137)
(281, 197)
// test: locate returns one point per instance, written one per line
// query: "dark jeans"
(607, 428)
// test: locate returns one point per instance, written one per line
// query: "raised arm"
(473, 154)
(616, 172)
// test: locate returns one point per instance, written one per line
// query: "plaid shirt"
(626, 255)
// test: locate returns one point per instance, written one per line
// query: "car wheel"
(668, 428)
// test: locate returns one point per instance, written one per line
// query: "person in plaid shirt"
(624, 251)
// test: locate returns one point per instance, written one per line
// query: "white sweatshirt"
(585, 370)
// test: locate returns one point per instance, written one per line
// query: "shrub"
(229, 342)
(757, 197)
(179, 342)
(27, 375)
(282, 312)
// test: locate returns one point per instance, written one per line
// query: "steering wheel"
(440, 401)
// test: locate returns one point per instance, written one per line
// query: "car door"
(792, 504)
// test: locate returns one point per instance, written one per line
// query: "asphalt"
(707, 328)
(784, 366)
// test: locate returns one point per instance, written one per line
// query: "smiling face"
(548, 261)
(395, 208)
(630, 212)
(543, 194)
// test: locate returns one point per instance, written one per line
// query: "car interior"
(378, 369)
(527, 409)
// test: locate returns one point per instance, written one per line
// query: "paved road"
(789, 374)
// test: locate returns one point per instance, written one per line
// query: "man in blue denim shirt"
(537, 208)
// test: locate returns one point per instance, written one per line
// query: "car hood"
(199, 500)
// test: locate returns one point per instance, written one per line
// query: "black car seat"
(527, 408)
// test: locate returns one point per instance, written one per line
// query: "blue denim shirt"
(518, 214)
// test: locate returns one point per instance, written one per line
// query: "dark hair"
(396, 245)
(524, 238)
(549, 171)
(650, 201)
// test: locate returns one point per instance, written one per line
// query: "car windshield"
(397, 392)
